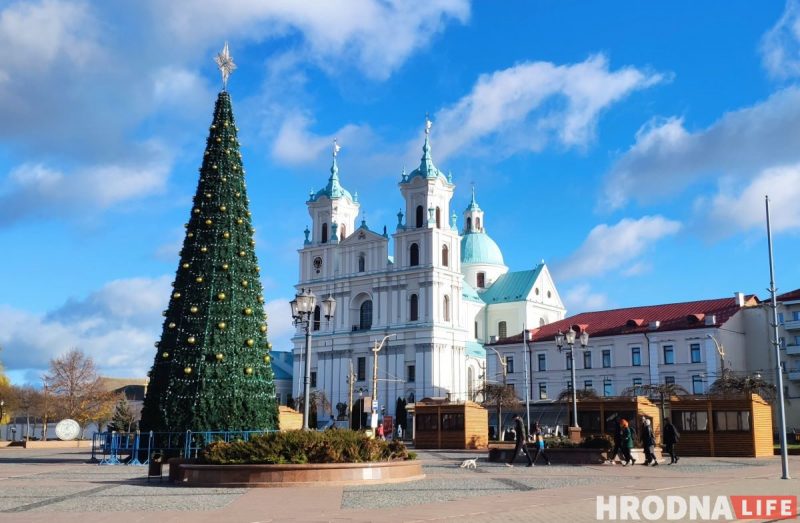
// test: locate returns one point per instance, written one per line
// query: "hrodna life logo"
(694, 508)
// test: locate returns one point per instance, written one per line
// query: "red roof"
(789, 296)
(632, 320)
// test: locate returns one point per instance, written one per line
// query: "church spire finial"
(334, 166)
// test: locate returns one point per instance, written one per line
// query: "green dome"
(478, 248)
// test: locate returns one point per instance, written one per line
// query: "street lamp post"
(721, 352)
(3, 415)
(303, 306)
(375, 350)
(568, 338)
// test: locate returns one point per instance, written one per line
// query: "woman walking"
(649, 443)
(671, 438)
(627, 442)
(538, 444)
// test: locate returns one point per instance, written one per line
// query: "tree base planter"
(314, 474)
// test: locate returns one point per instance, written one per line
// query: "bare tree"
(76, 390)
(729, 384)
(499, 395)
(319, 403)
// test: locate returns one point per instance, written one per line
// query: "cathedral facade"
(437, 297)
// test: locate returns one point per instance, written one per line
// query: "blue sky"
(628, 144)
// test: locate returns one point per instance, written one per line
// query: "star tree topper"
(226, 66)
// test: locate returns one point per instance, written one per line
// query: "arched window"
(469, 224)
(414, 255)
(420, 216)
(542, 322)
(477, 224)
(361, 263)
(413, 308)
(481, 280)
(438, 218)
(317, 318)
(446, 308)
(502, 330)
(343, 234)
(324, 233)
(445, 256)
(365, 315)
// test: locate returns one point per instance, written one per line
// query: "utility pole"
(375, 351)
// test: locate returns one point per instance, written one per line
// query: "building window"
(324, 233)
(542, 362)
(420, 216)
(413, 306)
(608, 389)
(780, 318)
(796, 316)
(691, 421)
(438, 218)
(669, 380)
(732, 420)
(317, 318)
(569, 384)
(445, 256)
(313, 378)
(502, 331)
(478, 224)
(697, 384)
(569, 361)
(446, 308)
(637, 384)
(510, 364)
(694, 352)
(587, 360)
(476, 330)
(543, 391)
(669, 355)
(414, 255)
(361, 263)
(481, 280)
(469, 224)
(782, 342)
(361, 368)
(411, 374)
(606, 358)
(636, 356)
(343, 234)
(587, 384)
(365, 315)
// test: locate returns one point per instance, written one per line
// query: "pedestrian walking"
(626, 437)
(617, 450)
(519, 430)
(671, 438)
(649, 443)
(538, 445)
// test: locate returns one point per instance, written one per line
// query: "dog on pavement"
(469, 463)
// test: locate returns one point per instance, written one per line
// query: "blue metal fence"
(126, 448)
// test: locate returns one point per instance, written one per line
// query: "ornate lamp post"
(568, 338)
(303, 306)
(3, 414)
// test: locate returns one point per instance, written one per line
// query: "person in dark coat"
(671, 438)
(617, 450)
(649, 443)
(538, 444)
(626, 435)
(519, 429)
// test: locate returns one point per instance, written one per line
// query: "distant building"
(282, 371)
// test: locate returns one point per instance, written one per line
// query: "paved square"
(59, 486)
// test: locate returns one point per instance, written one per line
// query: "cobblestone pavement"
(59, 486)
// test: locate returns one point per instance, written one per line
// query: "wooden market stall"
(440, 424)
(289, 419)
(723, 426)
(599, 416)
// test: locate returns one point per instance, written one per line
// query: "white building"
(438, 293)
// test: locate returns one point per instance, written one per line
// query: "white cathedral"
(441, 294)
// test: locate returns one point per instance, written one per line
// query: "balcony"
(794, 374)
(793, 350)
(793, 325)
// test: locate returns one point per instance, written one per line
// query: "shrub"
(299, 446)
(598, 441)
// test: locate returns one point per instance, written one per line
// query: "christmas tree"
(212, 367)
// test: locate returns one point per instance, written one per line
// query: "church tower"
(481, 258)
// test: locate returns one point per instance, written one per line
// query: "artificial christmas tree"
(212, 367)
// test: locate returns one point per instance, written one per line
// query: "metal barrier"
(184, 444)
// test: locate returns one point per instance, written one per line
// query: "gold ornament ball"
(221, 325)
(164, 313)
(223, 208)
(199, 279)
(203, 249)
(252, 243)
(239, 221)
(208, 195)
(208, 221)
(237, 194)
(245, 283)
(156, 344)
(190, 235)
(220, 356)
(258, 269)
(205, 153)
(193, 309)
(225, 266)
(165, 355)
(213, 126)
(225, 123)
(221, 296)
(196, 210)
(226, 235)
(269, 346)
(187, 370)
(250, 342)
(224, 179)
(176, 295)
(191, 340)
(266, 358)
(218, 140)
(235, 168)
(185, 265)
(261, 299)
(248, 311)
(242, 254)
(172, 325)
(248, 370)
(249, 213)
(263, 328)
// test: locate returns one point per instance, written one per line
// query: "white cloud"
(279, 320)
(610, 247)
(527, 106)
(296, 145)
(667, 157)
(780, 46)
(581, 299)
(730, 210)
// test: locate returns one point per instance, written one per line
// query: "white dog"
(469, 463)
